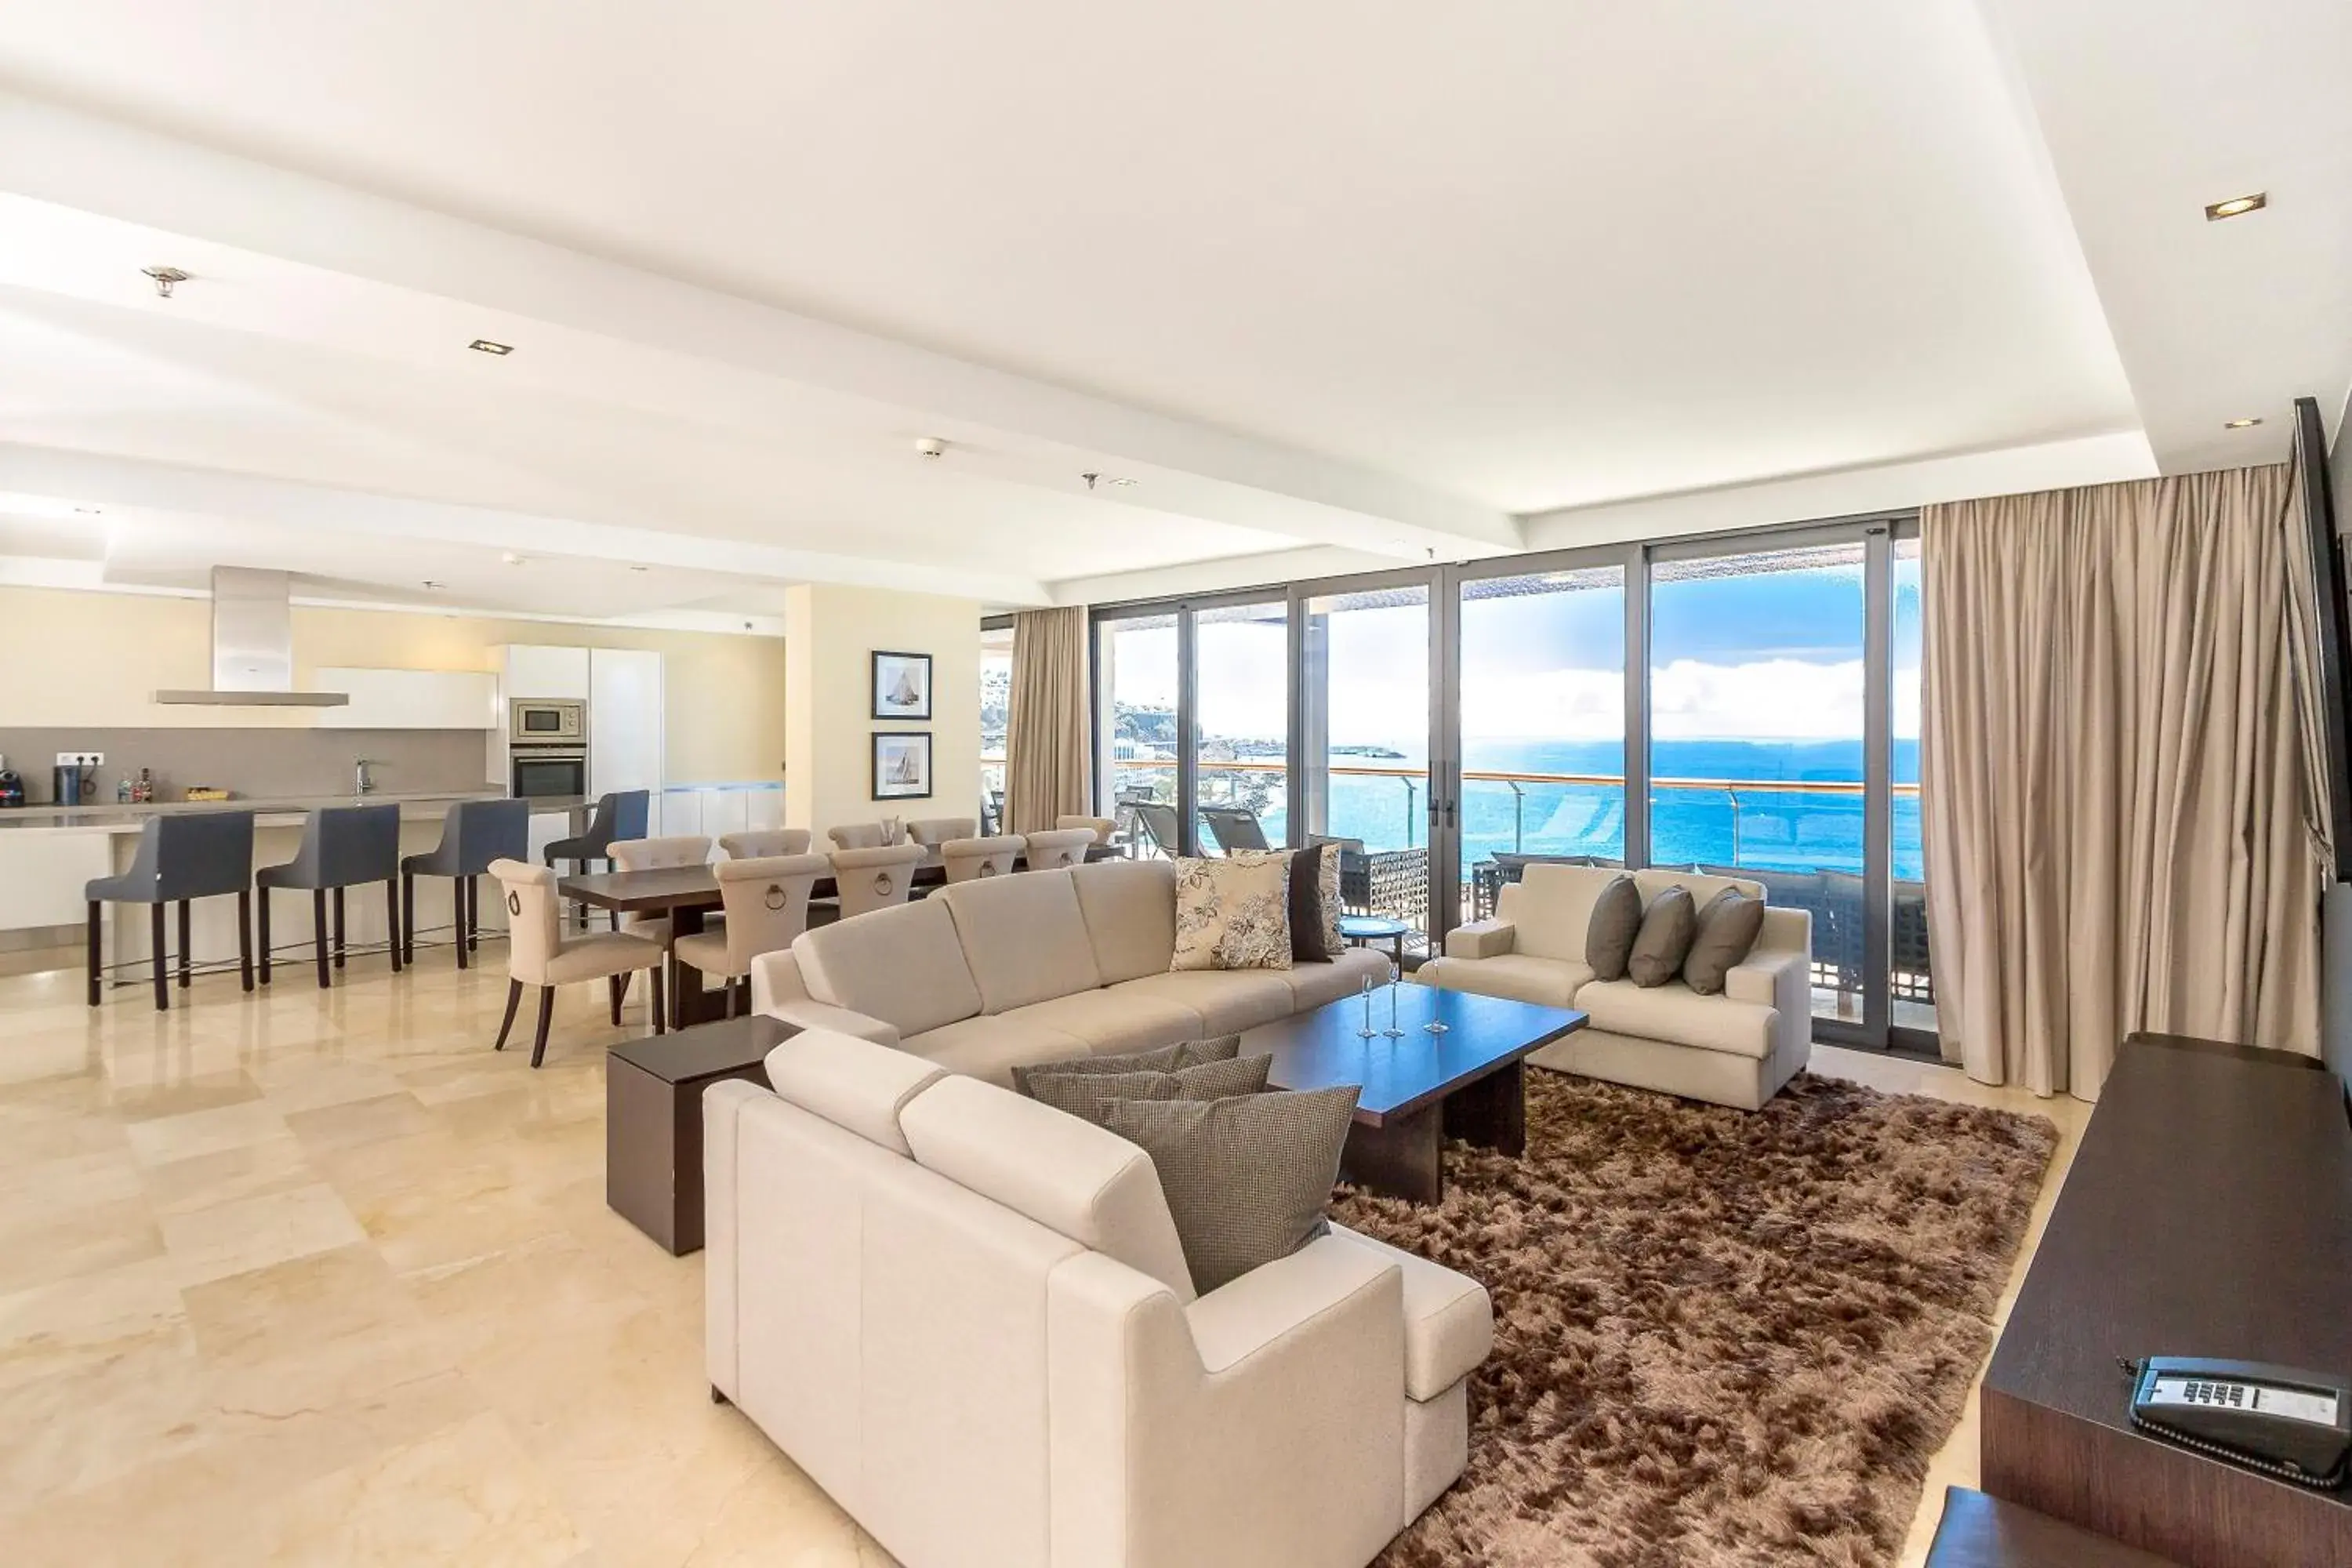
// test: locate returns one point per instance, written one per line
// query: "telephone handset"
(2293, 1424)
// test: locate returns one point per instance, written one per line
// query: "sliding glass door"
(1240, 725)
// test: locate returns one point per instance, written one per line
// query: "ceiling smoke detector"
(163, 278)
(931, 447)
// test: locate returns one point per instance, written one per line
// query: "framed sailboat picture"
(902, 685)
(902, 765)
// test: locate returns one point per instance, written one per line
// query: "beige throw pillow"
(1667, 927)
(1233, 911)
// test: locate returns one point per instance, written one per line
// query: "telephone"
(2293, 1424)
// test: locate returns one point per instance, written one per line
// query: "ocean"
(1754, 826)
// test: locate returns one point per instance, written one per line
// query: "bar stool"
(182, 856)
(474, 834)
(623, 813)
(342, 847)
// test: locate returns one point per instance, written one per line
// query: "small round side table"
(1364, 930)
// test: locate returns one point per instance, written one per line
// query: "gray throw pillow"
(1089, 1094)
(1315, 904)
(1167, 1058)
(1247, 1179)
(1616, 921)
(1667, 927)
(1726, 930)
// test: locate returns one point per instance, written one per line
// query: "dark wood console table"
(2208, 1212)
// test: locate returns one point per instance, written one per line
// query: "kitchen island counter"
(269, 811)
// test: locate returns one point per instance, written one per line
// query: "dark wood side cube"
(653, 1120)
(1979, 1531)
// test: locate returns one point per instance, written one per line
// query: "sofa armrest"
(1481, 939)
(1771, 977)
(810, 1015)
(1264, 1423)
(776, 977)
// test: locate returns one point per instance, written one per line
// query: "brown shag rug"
(1719, 1337)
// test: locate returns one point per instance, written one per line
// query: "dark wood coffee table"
(653, 1118)
(1420, 1089)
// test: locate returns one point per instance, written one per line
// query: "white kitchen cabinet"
(42, 872)
(764, 808)
(626, 744)
(536, 670)
(410, 698)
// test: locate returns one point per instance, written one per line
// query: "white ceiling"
(1369, 281)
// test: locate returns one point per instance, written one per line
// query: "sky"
(1772, 657)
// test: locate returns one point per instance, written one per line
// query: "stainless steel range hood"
(253, 645)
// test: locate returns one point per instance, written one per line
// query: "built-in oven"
(547, 722)
(540, 770)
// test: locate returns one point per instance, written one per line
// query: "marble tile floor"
(316, 1277)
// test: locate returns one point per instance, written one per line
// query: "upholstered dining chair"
(342, 847)
(1102, 827)
(868, 879)
(763, 843)
(662, 854)
(623, 813)
(969, 858)
(1063, 846)
(860, 836)
(538, 953)
(932, 831)
(766, 901)
(181, 857)
(474, 834)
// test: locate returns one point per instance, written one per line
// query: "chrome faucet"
(361, 783)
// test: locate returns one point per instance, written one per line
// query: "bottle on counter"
(144, 791)
(122, 790)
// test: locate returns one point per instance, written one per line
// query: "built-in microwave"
(547, 721)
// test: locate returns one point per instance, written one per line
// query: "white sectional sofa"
(1735, 1049)
(967, 1316)
(986, 976)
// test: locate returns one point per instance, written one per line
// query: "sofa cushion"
(1315, 907)
(1228, 1001)
(1069, 1176)
(1088, 1095)
(1615, 922)
(904, 966)
(1551, 906)
(1247, 1180)
(1233, 911)
(851, 1082)
(988, 1045)
(1131, 912)
(1727, 928)
(1165, 1058)
(1449, 1320)
(1313, 985)
(1114, 1020)
(1675, 1014)
(1023, 937)
(1545, 981)
(1664, 939)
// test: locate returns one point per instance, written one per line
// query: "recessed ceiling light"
(88, 511)
(1123, 482)
(2240, 424)
(640, 568)
(511, 559)
(484, 345)
(2237, 207)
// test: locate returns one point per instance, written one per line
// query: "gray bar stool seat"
(181, 857)
(342, 847)
(474, 834)
(623, 813)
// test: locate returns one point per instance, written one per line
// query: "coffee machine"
(12, 787)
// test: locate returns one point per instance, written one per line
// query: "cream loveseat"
(1735, 1049)
(967, 1316)
(987, 975)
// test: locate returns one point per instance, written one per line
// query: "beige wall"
(831, 635)
(97, 660)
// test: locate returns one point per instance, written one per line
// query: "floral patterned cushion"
(1233, 911)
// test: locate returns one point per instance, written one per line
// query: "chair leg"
(319, 934)
(94, 954)
(730, 989)
(392, 921)
(612, 990)
(339, 927)
(464, 922)
(187, 966)
(546, 1012)
(473, 914)
(743, 993)
(408, 916)
(514, 1000)
(163, 978)
(245, 937)
(261, 919)
(659, 1020)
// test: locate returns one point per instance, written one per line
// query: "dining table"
(687, 895)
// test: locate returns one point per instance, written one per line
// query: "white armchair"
(1734, 1048)
(967, 1317)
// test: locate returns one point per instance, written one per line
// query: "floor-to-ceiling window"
(1910, 980)
(1364, 762)
(995, 716)
(1138, 743)
(1757, 758)
(1241, 724)
(1542, 722)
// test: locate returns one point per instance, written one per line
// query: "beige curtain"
(1046, 733)
(2116, 795)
